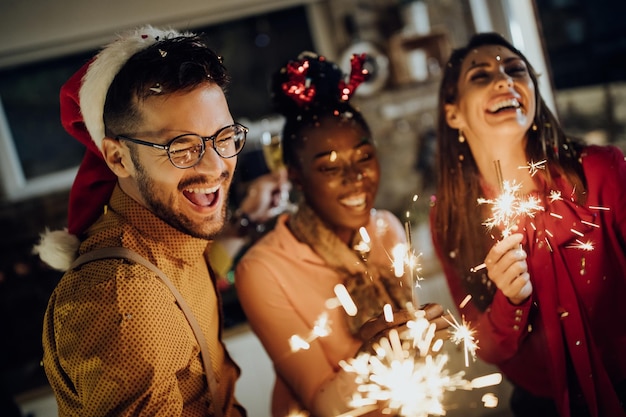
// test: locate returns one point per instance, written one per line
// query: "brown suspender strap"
(120, 252)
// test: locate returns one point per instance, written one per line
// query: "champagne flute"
(272, 151)
(273, 155)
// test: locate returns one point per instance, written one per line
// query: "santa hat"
(82, 102)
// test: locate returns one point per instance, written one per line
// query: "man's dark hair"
(168, 66)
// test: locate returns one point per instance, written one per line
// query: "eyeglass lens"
(186, 150)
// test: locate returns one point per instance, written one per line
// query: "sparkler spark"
(411, 259)
(407, 387)
(405, 376)
(297, 343)
(508, 207)
(363, 246)
(586, 246)
(321, 328)
(346, 301)
(466, 300)
(490, 400)
(555, 196)
(534, 167)
(403, 258)
(462, 333)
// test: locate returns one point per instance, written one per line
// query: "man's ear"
(452, 116)
(117, 157)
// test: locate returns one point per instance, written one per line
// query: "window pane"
(30, 97)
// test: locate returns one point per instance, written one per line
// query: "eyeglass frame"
(205, 139)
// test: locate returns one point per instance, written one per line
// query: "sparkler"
(555, 196)
(407, 373)
(534, 167)
(409, 246)
(478, 267)
(363, 247)
(507, 208)
(462, 333)
(321, 328)
(407, 387)
(412, 260)
(406, 376)
(586, 246)
(404, 258)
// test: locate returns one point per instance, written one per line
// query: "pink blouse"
(284, 288)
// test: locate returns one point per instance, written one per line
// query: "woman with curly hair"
(285, 280)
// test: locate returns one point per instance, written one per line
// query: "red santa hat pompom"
(82, 102)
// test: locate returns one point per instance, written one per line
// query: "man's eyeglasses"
(185, 151)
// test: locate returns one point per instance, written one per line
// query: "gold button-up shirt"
(115, 341)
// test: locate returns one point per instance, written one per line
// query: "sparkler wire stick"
(500, 180)
(499, 177)
(409, 242)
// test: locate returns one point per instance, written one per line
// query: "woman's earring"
(461, 137)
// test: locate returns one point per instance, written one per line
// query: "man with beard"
(133, 328)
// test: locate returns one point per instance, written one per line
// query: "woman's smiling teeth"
(504, 104)
(357, 200)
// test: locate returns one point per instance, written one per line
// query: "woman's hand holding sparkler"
(378, 327)
(435, 314)
(507, 268)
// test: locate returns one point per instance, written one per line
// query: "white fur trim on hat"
(58, 248)
(104, 68)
